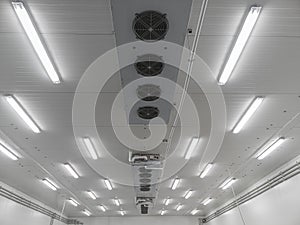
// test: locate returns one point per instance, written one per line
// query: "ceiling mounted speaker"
(150, 26)
(149, 65)
(148, 112)
(148, 92)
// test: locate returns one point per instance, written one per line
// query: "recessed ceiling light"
(188, 194)
(35, 40)
(162, 212)
(240, 43)
(195, 211)
(206, 170)
(207, 201)
(248, 114)
(108, 184)
(92, 194)
(71, 170)
(175, 183)
(86, 212)
(167, 201)
(50, 184)
(179, 207)
(191, 147)
(73, 202)
(227, 183)
(7, 152)
(117, 202)
(102, 207)
(90, 147)
(122, 212)
(270, 148)
(22, 113)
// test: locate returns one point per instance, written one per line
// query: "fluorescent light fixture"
(175, 183)
(117, 202)
(122, 212)
(207, 201)
(227, 183)
(73, 202)
(179, 207)
(35, 40)
(90, 147)
(270, 148)
(191, 147)
(240, 44)
(195, 211)
(71, 170)
(50, 184)
(92, 195)
(167, 201)
(7, 152)
(87, 212)
(162, 212)
(206, 170)
(248, 114)
(102, 207)
(108, 184)
(22, 113)
(188, 194)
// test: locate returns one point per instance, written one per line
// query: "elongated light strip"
(102, 207)
(207, 201)
(271, 148)
(195, 211)
(206, 170)
(90, 147)
(240, 43)
(191, 148)
(22, 113)
(228, 183)
(7, 152)
(50, 184)
(167, 201)
(162, 212)
(35, 40)
(122, 212)
(86, 212)
(108, 184)
(248, 114)
(71, 170)
(73, 202)
(92, 194)
(188, 194)
(117, 202)
(179, 207)
(175, 183)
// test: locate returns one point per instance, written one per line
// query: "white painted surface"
(141, 220)
(277, 206)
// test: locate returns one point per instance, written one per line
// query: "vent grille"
(150, 26)
(148, 112)
(148, 92)
(149, 65)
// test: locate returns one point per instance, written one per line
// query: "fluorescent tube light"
(50, 184)
(207, 201)
(35, 40)
(195, 211)
(108, 184)
(22, 113)
(188, 194)
(86, 212)
(90, 147)
(179, 207)
(7, 152)
(175, 183)
(227, 183)
(122, 212)
(271, 148)
(73, 202)
(117, 202)
(71, 170)
(102, 208)
(240, 44)
(92, 195)
(206, 170)
(162, 212)
(248, 114)
(191, 148)
(167, 201)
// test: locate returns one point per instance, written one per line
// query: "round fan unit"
(148, 92)
(150, 26)
(148, 112)
(149, 65)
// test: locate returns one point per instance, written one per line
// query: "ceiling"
(77, 33)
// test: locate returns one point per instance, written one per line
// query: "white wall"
(278, 206)
(141, 220)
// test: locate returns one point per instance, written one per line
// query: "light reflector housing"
(194, 211)
(179, 207)
(50, 184)
(92, 194)
(175, 183)
(206, 170)
(117, 202)
(108, 184)
(86, 212)
(167, 201)
(188, 194)
(270, 148)
(248, 114)
(22, 113)
(102, 207)
(73, 202)
(240, 43)
(71, 170)
(207, 201)
(122, 212)
(8, 153)
(35, 40)
(90, 147)
(193, 144)
(227, 183)
(162, 212)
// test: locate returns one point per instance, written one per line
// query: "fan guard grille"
(148, 112)
(148, 92)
